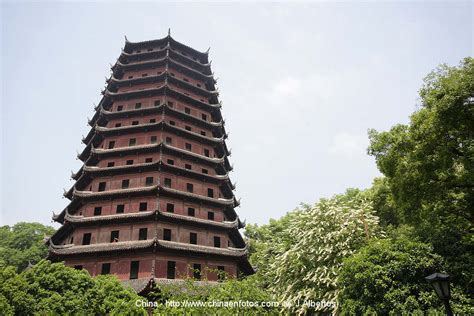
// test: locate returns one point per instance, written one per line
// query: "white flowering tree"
(306, 273)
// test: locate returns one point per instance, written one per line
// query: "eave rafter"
(86, 173)
(218, 127)
(71, 249)
(90, 152)
(79, 197)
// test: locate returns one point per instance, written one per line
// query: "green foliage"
(23, 243)
(388, 277)
(267, 241)
(52, 288)
(188, 292)
(298, 257)
(382, 201)
(429, 167)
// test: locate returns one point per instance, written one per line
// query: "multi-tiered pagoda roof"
(153, 201)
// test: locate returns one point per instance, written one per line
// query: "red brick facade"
(153, 199)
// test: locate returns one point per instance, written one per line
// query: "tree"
(53, 288)
(306, 273)
(429, 167)
(383, 203)
(23, 244)
(388, 277)
(211, 299)
(267, 241)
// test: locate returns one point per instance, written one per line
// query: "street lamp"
(440, 283)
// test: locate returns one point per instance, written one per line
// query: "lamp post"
(440, 283)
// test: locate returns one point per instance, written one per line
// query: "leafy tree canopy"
(299, 256)
(429, 167)
(52, 288)
(23, 243)
(230, 291)
(388, 277)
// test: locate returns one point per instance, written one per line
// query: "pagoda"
(153, 202)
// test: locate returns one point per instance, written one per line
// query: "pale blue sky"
(300, 86)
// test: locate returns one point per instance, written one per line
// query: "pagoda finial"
(126, 39)
(169, 32)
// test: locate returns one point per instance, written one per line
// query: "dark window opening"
(170, 104)
(114, 236)
(198, 85)
(152, 120)
(135, 122)
(210, 193)
(168, 140)
(197, 271)
(171, 270)
(118, 124)
(205, 171)
(134, 267)
(105, 268)
(191, 211)
(185, 79)
(210, 216)
(144, 75)
(78, 267)
(97, 211)
(188, 166)
(143, 234)
(143, 206)
(187, 110)
(102, 186)
(129, 162)
(170, 162)
(188, 146)
(153, 139)
(125, 184)
(189, 187)
(110, 164)
(167, 234)
(86, 239)
(173, 123)
(119, 108)
(206, 152)
(204, 117)
(217, 241)
(170, 208)
(132, 142)
(168, 182)
(188, 128)
(148, 160)
(157, 102)
(149, 181)
(193, 238)
(111, 144)
(203, 133)
(120, 208)
(138, 105)
(220, 273)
